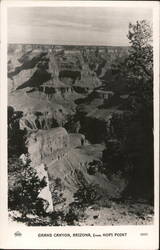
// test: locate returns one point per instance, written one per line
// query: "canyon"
(62, 102)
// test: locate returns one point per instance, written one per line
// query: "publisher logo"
(18, 233)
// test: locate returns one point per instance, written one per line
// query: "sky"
(73, 25)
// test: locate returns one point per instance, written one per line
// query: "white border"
(29, 239)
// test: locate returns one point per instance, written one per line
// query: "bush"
(86, 194)
(75, 214)
(14, 165)
(94, 167)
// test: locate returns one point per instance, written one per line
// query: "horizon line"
(55, 44)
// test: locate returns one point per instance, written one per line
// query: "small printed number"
(143, 234)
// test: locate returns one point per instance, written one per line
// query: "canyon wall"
(46, 146)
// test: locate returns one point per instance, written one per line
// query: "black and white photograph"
(80, 116)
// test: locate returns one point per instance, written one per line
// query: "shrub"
(75, 214)
(86, 194)
(94, 167)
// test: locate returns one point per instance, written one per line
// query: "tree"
(23, 192)
(139, 71)
(140, 60)
(139, 143)
(16, 136)
(134, 133)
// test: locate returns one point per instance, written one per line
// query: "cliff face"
(46, 146)
(22, 68)
(77, 140)
(34, 120)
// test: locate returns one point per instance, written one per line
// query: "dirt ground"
(119, 214)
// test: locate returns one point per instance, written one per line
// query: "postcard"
(79, 119)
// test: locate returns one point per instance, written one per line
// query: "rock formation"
(47, 146)
(77, 140)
